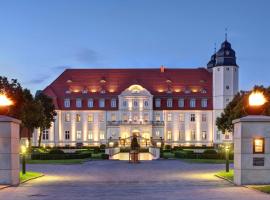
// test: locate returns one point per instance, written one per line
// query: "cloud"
(39, 79)
(86, 55)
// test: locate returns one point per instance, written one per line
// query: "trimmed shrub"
(46, 156)
(168, 147)
(210, 151)
(56, 151)
(105, 156)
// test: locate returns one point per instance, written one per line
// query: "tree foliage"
(237, 108)
(34, 112)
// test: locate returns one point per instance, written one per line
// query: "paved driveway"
(116, 180)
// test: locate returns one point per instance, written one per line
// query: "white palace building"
(178, 106)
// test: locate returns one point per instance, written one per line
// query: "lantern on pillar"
(256, 103)
(5, 102)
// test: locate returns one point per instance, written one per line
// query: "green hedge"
(205, 155)
(46, 156)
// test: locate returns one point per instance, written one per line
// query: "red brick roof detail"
(172, 83)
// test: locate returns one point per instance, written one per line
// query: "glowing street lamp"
(23, 151)
(5, 102)
(256, 102)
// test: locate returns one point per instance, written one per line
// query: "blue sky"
(38, 39)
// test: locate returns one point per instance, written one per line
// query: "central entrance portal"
(144, 142)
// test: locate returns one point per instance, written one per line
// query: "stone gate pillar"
(9, 150)
(252, 150)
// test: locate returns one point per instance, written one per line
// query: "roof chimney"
(162, 69)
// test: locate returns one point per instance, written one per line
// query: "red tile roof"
(161, 84)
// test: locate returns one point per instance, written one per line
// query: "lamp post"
(23, 151)
(227, 151)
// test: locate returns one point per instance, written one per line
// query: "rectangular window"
(146, 117)
(78, 117)
(45, 135)
(203, 117)
(78, 103)
(67, 135)
(169, 135)
(157, 117)
(158, 103)
(90, 118)
(135, 117)
(218, 135)
(181, 135)
(169, 117)
(102, 135)
(67, 103)
(90, 103)
(79, 135)
(181, 103)
(204, 135)
(157, 133)
(124, 104)
(192, 117)
(135, 103)
(113, 103)
(204, 103)
(181, 117)
(102, 103)
(90, 135)
(67, 117)
(169, 103)
(125, 117)
(193, 135)
(146, 104)
(113, 117)
(192, 103)
(101, 117)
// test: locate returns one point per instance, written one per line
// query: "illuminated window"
(204, 103)
(181, 135)
(113, 103)
(146, 117)
(204, 135)
(45, 135)
(78, 117)
(192, 103)
(181, 103)
(157, 133)
(192, 117)
(203, 117)
(169, 103)
(90, 135)
(90, 103)
(113, 117)
(169, 135)
(125, 117)
(193, 135)
(102, 103)
(67, 103)
(67, 135)
(258, 145)
(158, 103)
(157, 117)
(79, 135)
(135, 117)
(78, 103)
(135, 103)
(181, 117)
(169, 117)
(102, 135)
(67, 117)
(101, 117)
(90, 118)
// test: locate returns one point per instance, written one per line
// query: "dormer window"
(158, 103)
(84, 91)
(102, 103)
(187, 91)
(113, 103)
(67, 103)
(68, 92)
(204, 103)
(102, 91)
(78, 103)
(192, 103)
(181, 103)
(203, 91)
(90, 103)
(169, 103)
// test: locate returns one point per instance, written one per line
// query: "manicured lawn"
(29, 175)
(59, 162)
(262, 188)
(207, 161)
(226, 175)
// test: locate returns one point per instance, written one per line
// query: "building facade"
(174, 105)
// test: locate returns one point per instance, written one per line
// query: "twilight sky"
(39, 39)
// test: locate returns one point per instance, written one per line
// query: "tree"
(237, 108)
(48, 112)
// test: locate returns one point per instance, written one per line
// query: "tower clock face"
(227, 52)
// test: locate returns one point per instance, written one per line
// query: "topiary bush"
(56, 151)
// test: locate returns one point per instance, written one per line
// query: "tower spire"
(226, 33)
(215, 47)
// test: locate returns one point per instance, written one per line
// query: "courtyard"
(157, 179)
